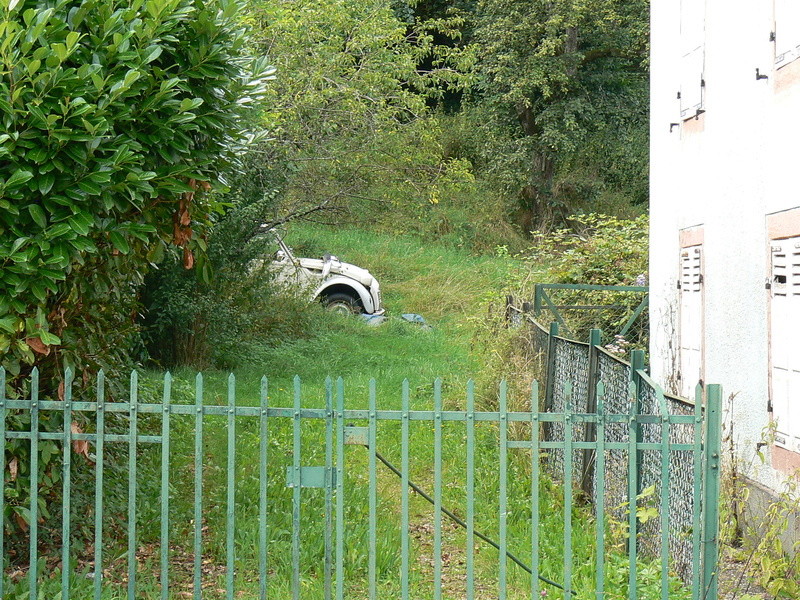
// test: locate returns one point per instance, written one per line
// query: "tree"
(349, 121)
(117, 119)
(562, 100)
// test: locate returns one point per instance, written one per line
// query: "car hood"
(339, 268)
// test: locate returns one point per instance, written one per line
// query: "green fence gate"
(409, 493)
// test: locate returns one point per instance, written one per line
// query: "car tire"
(342, 303)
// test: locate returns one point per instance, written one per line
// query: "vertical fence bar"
(404, 525)
(437, 489)
(33, 567)
(373, 492)
(503, 500)
(3, 477)
(133, 427)
(633, 487)
(66, 501)
(296, 492)
(600, 494)
(665, 487)
(470, 490)
(165, 450)
(568, 434)
(535, 476)
(198, 487)
(589, 428)
(263, 488)
(230, 517)
(551, 369)
(340, 488)
(637, 364)
(328, 487)
(98, 484)
(697, 454)
(711, 491)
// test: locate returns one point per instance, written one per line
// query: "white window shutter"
(692, 57)
(784, 351)
(691, 319)
(787, 31)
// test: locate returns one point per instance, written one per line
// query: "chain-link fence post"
(590, 429)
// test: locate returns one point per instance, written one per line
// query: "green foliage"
(350, 120)
(596, 249)
(561, 102)
(230, 319)
(113, 118)
(761, 541)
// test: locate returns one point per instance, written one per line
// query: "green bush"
(115, 120)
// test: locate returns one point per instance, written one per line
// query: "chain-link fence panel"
(570, 363)
(615, 375)
(681, 490)
(571, 366)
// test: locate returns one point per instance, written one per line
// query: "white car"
(340, 286)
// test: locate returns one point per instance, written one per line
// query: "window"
(692, 57)
(787, 31)
(784, 340)
(691, 319)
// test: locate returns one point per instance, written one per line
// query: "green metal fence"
(620, 310)
(307, 495)
(627, 384)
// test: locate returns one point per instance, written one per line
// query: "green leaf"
(119, 242)
(49, 338)
(39, 291)
(37, 214)
(58, 230)
(46, 183)
(9, 324)
(152, 53)
(18, 178)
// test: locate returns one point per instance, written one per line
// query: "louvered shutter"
(784, 351)
(691, 324)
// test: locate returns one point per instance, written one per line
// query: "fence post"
(590, 429)
(711, 477)
(637, 364)
(551, 366)
(537, 300)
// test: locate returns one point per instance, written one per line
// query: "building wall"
(724, 172)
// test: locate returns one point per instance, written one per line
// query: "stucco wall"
(724, 171)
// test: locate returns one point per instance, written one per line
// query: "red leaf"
(188, 258)
(38, 345)
(20, 522)
(80, 446)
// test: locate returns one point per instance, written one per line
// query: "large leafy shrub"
(116, 118)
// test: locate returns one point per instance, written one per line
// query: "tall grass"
(454, 291)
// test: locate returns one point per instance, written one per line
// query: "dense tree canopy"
(562, 96)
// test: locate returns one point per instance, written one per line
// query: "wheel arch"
(343, 285)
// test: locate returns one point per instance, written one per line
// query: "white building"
(725, 217)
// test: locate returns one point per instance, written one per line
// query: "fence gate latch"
(311, 477)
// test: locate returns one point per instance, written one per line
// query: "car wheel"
(342, 303)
